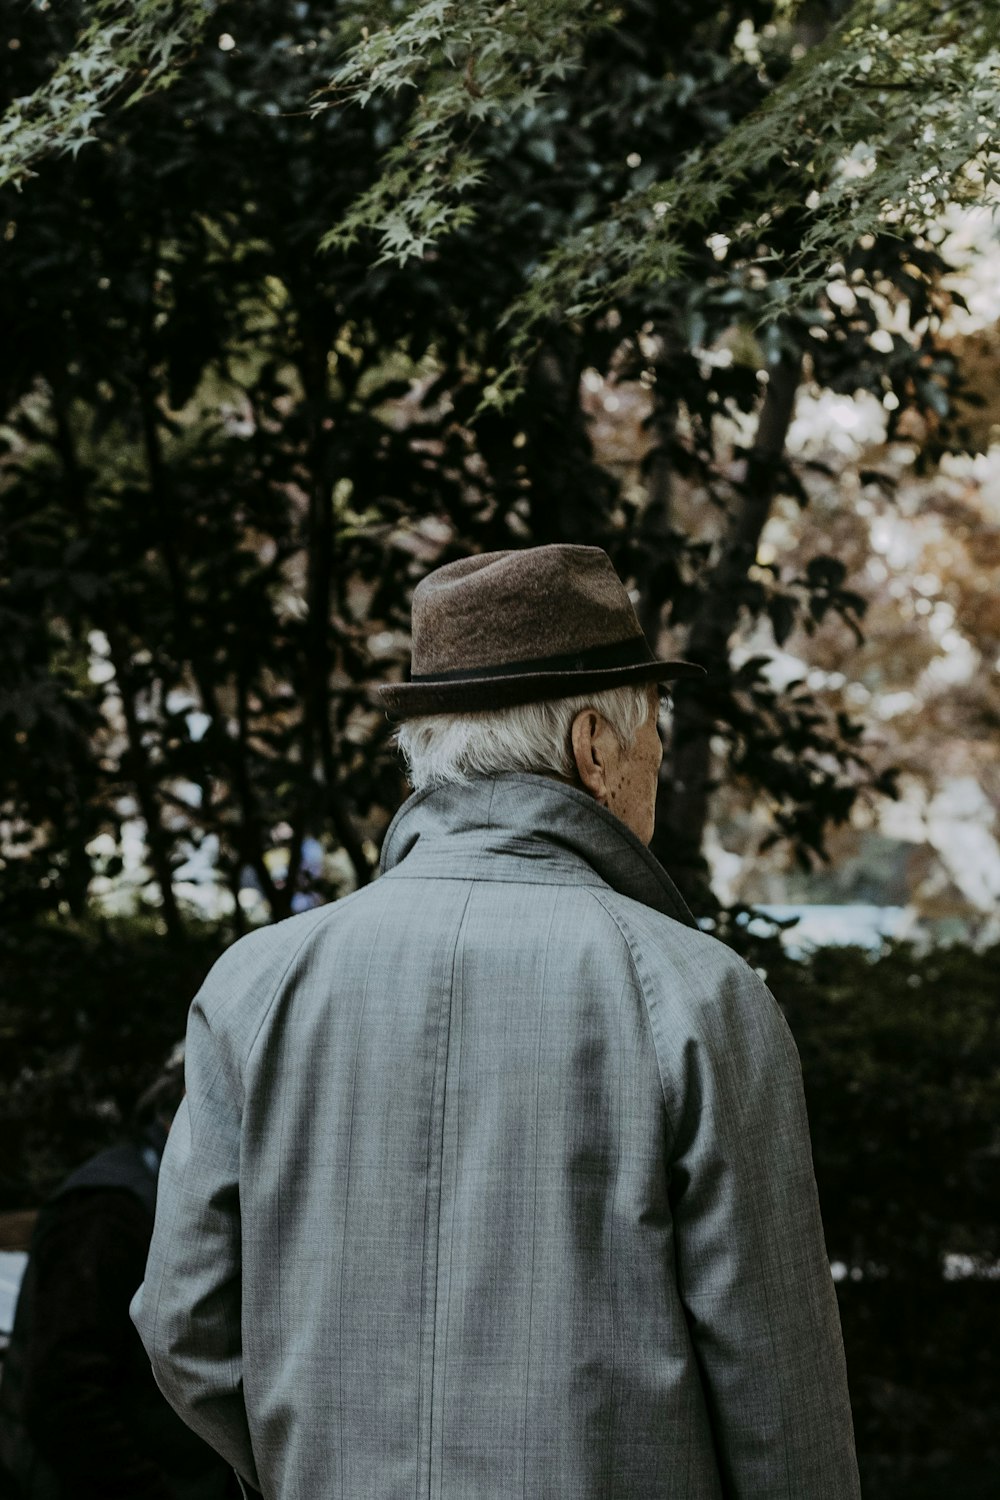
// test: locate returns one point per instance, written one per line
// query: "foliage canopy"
(871, 130)
(227, 459)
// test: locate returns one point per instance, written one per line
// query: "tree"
(226, 458)
(252, 565)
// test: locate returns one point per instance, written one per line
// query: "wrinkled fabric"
(494, 1179)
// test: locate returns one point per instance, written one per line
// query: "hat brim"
(407, 700)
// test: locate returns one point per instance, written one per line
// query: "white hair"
(440, 748)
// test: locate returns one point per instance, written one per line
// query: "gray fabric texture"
(494, 1179)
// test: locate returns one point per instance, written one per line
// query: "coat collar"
(533, 816)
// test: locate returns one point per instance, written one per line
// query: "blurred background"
(227, 455)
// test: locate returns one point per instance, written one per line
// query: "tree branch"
(683, 810)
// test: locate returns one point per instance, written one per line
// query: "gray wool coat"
(494, 1180)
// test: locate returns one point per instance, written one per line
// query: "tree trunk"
(233, 753)
(654, 530)
(319, 798)
(142, 776)
(571, 495)
(684, 800)
(144, 781)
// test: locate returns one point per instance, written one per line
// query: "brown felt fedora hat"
(514, 627)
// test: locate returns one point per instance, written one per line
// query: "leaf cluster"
(871, 133)
(136, 46)
(467, 64)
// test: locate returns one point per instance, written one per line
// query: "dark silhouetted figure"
(80, 1413)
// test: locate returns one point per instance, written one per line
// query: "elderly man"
(494, 1178)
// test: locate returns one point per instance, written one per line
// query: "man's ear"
(588, 752)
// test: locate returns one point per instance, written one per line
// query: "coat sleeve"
(188, 1309)
(751, 1261)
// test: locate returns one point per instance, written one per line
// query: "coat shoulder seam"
(630, 941)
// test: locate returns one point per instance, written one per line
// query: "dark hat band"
(632, 652)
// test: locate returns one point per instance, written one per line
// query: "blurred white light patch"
(826, 925)
(897, 540)
(958, 662)
(819, 680)
(891, 704)
(715, 359)
(103, 846)
(199, 868)
(954, 1267)
(841, 295)
(969, 1268)
(188, 791)
(13, 1264)
(386, 643)
(972, 245)
(100, 670)
(726, 868)
(824, 420)
(959, 822)
(197, 723)
(906, 818)
(779, 671)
